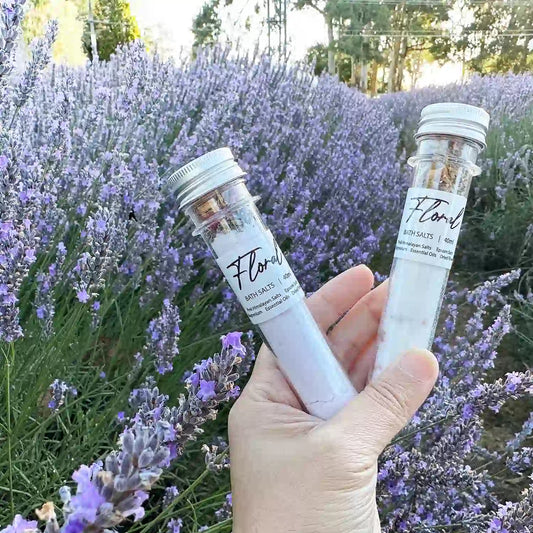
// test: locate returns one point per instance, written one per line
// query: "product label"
(261, 277)
(430, 226)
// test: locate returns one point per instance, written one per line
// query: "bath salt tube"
(212, 192)
(450, 138)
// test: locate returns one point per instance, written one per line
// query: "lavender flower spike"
(171, 493)
(175, 525)
(20, 525)
(110, 492)
(11, 14)
(163, 335)
(41, 55)
(59, 391)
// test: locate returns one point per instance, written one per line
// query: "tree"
(323, 7)
(414, 27)
(374, 34)
(499, 39)
(207, 25)
(358, 25)
(114, 25)
(318, 55)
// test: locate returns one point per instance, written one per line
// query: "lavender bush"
(102, 287)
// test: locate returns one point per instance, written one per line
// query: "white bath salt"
(213, 192)
(450, 138)
(306, 357)
(411, 314)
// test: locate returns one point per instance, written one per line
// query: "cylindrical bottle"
(212, 192)
(450, 138)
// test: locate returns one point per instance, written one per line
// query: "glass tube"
(248, 255)
(417, 284)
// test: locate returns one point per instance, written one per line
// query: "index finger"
(339, 295)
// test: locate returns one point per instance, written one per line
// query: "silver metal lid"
(462, 120)
(202, 175)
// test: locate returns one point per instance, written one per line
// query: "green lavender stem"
(10, 358)
(180, 497)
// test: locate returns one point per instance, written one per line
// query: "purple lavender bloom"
(108, 493)
(20, 525)
(80, 166)
(226, 511)
(105, 239)
(74, 526)
(206, 390)
(233, 340)
(527, 430)
(175, 525)
(101, 225)
(162, 337)
(41, 55)
(11, 17)
(83, 296)
(87, 501)
(59, 390)
(171, 493)
(521, 461)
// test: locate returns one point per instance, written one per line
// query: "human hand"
(292, 472)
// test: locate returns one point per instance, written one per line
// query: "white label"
(260, 276)
(430, 226)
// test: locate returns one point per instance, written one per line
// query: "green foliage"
(355, 19)
(318, 55)
(114, 25)
(383, 34)
(495, 41)
(45, 446)
(395, 36)
(319, 5)
(498, 235)
(207, 25)
(412, 26)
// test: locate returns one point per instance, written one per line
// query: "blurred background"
(377, 46)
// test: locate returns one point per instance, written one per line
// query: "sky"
(169, 22)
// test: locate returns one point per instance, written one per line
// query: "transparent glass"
(416, 289)
(230, 224)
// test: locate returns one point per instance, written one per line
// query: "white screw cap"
(461, 120)
(202, 175)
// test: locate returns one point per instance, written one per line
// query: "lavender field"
(119, 338)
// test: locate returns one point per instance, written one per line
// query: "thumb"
(385, 406)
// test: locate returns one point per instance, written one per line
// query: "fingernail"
(419, 364)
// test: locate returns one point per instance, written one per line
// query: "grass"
(39, 449)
